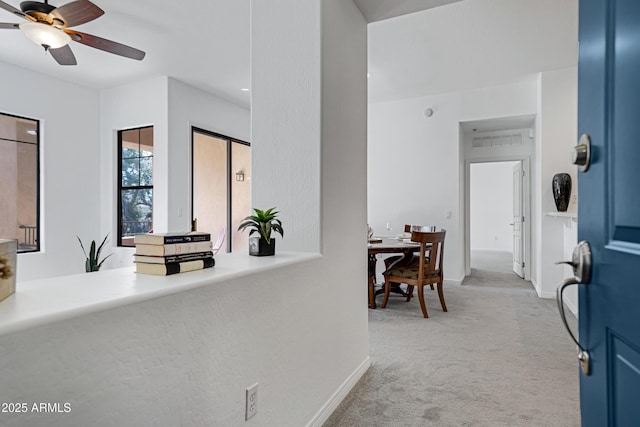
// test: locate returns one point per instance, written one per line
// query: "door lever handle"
(581, 264)
(571, 263)
(583, 355)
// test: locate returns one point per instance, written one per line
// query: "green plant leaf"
(100, 247)
(92, 252)
(92, 261)
(263, 222)
(246, 224)
(101, 262)
(82, 246)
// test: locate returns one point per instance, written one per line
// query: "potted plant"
(262, 222)
(93, 262)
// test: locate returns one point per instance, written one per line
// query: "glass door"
(221, 187)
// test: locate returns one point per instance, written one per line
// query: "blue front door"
(609, 210)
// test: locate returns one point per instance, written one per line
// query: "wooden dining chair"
(408, 228)
(422, 270)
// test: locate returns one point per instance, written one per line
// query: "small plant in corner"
(93, 262)
(263, 223)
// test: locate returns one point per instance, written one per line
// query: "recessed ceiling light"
(244, 89)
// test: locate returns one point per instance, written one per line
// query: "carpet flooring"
(498, 357)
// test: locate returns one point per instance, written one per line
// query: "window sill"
(41, 302)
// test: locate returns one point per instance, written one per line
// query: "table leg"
(372, 280)
(407, 256)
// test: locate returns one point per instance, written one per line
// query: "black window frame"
(38, 218)
(135, 187)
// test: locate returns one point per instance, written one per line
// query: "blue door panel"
(625, 377)
(625, 110)
(609, 210)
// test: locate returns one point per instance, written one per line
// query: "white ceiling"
(470, 44)
(377, 10)
(464, 45)
(202, 43)
(502, 123)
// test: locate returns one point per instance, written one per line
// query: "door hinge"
(522, 264)
(523, 172)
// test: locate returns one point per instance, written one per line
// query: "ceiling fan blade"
(8, 26)
(15, 11)
(106, 45)
(77, 12)
(63, 55)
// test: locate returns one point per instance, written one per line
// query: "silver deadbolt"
(581, 154)
(581, 264)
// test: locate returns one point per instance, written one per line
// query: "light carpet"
(499, 357)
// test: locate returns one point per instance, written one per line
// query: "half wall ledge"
(41, 302)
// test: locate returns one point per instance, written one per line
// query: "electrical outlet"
(252, 401)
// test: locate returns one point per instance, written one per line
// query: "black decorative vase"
(259, 247)
(561, 186)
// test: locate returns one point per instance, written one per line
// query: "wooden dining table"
(386, 245)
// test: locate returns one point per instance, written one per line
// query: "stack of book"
(163, 254)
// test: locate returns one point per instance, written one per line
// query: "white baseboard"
(506, 251)
(453, 281)
(327, 409)
(552, 295)
(547, 295)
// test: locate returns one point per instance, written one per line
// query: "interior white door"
(518, 253)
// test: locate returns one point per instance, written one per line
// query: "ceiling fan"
(48, 26)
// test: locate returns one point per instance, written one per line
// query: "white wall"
(69, 177)
(570, 240)
(492, 206)
(190, 107)
(292, 169)
(557, 135)
(416, 166)
(172, 108)
(134, 105)
(186, 359)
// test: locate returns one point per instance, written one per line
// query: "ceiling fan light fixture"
(45, 35)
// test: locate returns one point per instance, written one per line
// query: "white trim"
(547, 295)
(336, 398)
(454, 281)
(552, 295)
(526, 206)
(492, 250)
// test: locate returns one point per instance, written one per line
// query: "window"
(135, 185)
(19, 175)
(221, 186)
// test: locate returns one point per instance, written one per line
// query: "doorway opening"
(487, 146)
(221, 186)
(496, 217)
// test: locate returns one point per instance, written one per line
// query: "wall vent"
(497, 140)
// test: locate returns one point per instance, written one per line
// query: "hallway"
(499, 357)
